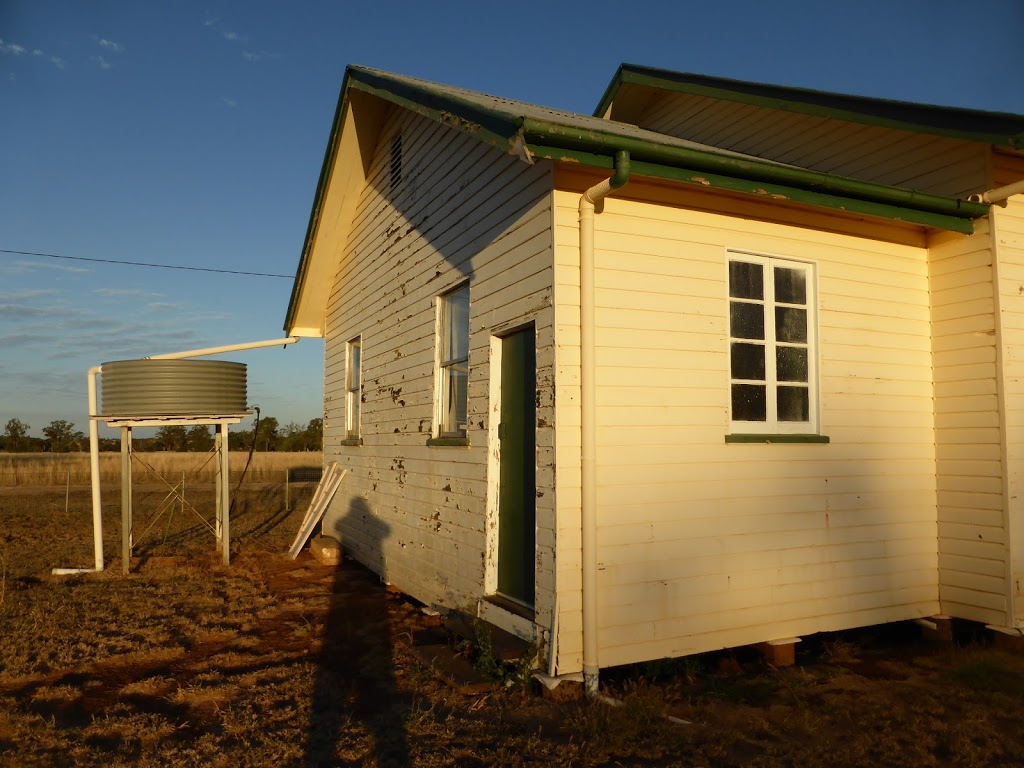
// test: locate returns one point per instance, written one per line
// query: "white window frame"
(446, 363)
(772, 425)
(353, 386)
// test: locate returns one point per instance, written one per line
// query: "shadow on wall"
(356, 690)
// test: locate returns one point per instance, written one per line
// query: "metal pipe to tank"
(226, 348)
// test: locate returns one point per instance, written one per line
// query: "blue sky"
(192, 134)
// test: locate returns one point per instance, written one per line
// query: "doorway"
(517, 493)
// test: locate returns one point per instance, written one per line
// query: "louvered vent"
(396, 162)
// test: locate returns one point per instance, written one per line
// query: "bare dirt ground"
(272, 662)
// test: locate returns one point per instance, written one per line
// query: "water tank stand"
(223, 477)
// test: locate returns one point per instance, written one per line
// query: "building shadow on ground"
(356, 692)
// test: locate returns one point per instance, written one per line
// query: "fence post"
(183, 493)
(286, 490)
(67, 493)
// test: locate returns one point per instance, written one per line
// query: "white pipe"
(999, 195)
(225, 348)
(588, 429)
(94, 466)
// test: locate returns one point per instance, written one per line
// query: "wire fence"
(142, 474)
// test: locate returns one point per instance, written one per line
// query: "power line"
(145, 264)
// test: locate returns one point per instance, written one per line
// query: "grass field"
(272, 663)
(19, 470)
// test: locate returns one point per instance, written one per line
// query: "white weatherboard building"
(775, 388)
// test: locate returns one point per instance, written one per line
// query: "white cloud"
(210, 21)
(57, 62)
(21, 267)
(234, 37)
(102, 62)
(229, 103)
(255, 56)
(37, 52)
(12, 48)
(121, 293)
(110, 45)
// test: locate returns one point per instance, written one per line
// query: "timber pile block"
(326, 549)
(779, 653)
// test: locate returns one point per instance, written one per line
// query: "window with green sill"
(772, 346)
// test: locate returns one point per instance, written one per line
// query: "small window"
(353, 387)
(453, 345)
(773, 387)
(396, 162)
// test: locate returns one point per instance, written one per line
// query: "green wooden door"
(517, 494)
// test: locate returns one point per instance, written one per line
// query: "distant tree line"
(60, 436)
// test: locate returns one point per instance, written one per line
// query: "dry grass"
(273, 663)
(19, 470)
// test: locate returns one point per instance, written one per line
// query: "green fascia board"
(771, 191)
(606, 143)
(999, 128)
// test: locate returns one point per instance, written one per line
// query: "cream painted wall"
(703, 544)
(1008, 240)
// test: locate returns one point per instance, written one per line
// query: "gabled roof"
(533, 132)
(1001, 129)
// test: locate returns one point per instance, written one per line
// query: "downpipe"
(588, 407)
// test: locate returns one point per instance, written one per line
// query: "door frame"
(494, 457)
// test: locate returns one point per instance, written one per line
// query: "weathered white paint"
(1008, 242)
(417, 514)
(705, 545)
(936, 164)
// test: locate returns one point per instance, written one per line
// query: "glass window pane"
(746, 281)
(794, 403)
(354, 364)
(353, 413)
(790, 286)
(791, 325)
(791, 364)
(748, 361)
(749, 402)
(746, 321)
(455, 405)
(457, 320)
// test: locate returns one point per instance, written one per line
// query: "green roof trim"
(748, 169)
(528, 131)
(999, 128)
(772, 191)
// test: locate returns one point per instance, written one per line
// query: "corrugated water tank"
(133, 388)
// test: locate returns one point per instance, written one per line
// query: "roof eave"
(819, 103)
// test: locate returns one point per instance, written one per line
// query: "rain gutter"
(546, 133)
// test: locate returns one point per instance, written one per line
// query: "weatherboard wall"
(702, 544)
(418, 514)
(1008, 241)
(936, 164)
(968, 436)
